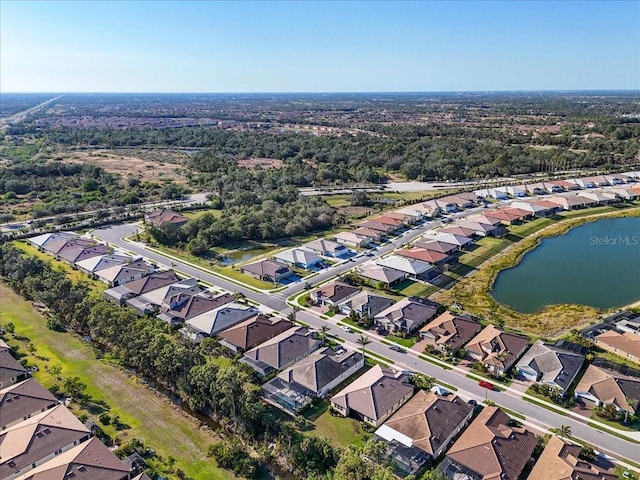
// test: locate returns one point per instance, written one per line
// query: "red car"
(486, 384)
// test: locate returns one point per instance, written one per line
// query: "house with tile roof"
(497, 350)
(450, 238)
(366, 304)
(90, 460)
(432, 257)
(600, 387)
(352, 239)
(378, 273)
(405, 316)
(34, 441)
(281, 351)
(333, 293)
(449, 332)
(383, 228)
(550, 366)
(421, 430)
(437, 246)
(626, 344)
(372, 234)
(159, 218)
(374, 396)
(267, 270)
(560, 460)
(21, 401)
(490, 449)
(252, 332)
(314, 376)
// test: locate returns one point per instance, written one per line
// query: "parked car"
(396, 348)
(485, 384)
(339, 351)
(344, 328)
(472, 402)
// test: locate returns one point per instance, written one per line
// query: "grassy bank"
(144, 413)
(472, 292)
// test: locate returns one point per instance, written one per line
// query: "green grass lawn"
(409, 288)
(405, 342)
(149, 415)
(340, 431)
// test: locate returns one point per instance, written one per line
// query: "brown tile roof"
(23, 399)
(459, 230)
(386, 220)
(491, 448)
(429, 256)
(429, 419)
(90, 460)
(492, 342)
(160, 217)
(254, 331)
(626, 343)
(380, 227)
(451, 330)
(611, 387)
(37, 437)
(375, 393)
(559, 461)
(152, 282)
(335, 291)
(368, 232)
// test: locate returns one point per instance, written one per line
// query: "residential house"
(297, 257)
(127, 272)
(550, 207)
(370, 233)
(458, 230)
(379, 273)
(11, 371)
(550, 366)
(430, 256)
(311, 377)
(622, 193)
(538, 189)
(449, 332)
(142, 286)
(494, 193)
(482, 218)
(629, 322)
(21, 401)
(281, 351)
(40, 241)
(100, 262)
(506, 217)
(159, 218)
(374, 396)
(407, 219)
(327, 248)
(352, 239)
(38, 439)
(90, 460)
(599, 197)
(460, 201)
(600, 386)
(394, 223)
(497, 350)
(62, 244)
(431, 208)
(516, 191)
(615, 179)
(457, 240)
(383, 228)
(563, 185)
(405, 316)
(437, 246)
(333, 293)
(212, 322)
(531, 207)
(417, 213)
(626, 345)
(490, 449)
(267, 270)
(182, 306)
(482, 229)
(560, 460)
(585, 182)
(421, 430)
(156, 296)
(252, 332)
(415, 269)
(522, 214)
(366, 304)
(72, 254)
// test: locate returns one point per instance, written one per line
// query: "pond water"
(240, 256)
(595, 264)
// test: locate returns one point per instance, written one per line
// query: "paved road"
(468, 388)
(19, 116)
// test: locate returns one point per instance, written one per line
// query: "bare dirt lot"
(266, 163)
(152, 165)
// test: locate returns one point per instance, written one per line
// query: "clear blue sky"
(330, 46)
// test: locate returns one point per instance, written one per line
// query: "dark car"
(396, 348)
(485, 384)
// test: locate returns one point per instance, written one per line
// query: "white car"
(344, 328)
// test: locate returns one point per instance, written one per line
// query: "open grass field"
(472, 292)
(147, 414)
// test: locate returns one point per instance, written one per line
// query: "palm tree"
(564, 431)
(323, 333)
(292, 316)
(363, 341)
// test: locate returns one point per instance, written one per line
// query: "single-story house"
(183, 306)
(23, 400)
(600, 387)
(418, 214)
(395, 223)
(569, 202)
(550, 206)
(327, 248)
(281, 351)
(564, 185)
(550, 366)
(57, 246)
(311, 377)
(352, 239)
(453, 239)
(539, 189)
(59, 239)
(626, 345)
(163, 294)
(374, 396)
(267, 270)
(516, 191)
(211, 322)
(372, 234)
(407, 219)
(561, 460)
(11, 371)
(93, 264)
(252, 332)
(532, 208)
(599, 197)
(366, 304)
(127, 272)
(383, 228)
(449, 332)
(430, 256)
(160, 217)
(482, 218)
(585, 182)
(497, 350)
(73, 254)
(494, 193)
(421, 430)
(458, 230)
(615, 179)
(482, 229)
(333, 293)
(405, 316)
(460, 201)
(490, 448)
(505, 217)
(413, 268)
(379, 273)
(298, 257)
(437, 246)
(142, 286)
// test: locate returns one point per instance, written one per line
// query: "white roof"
(448, 238)
(40, 240)
(405, 264)
(531, 207)
(351, 237)
(157, 296)
(389, 434)
(223, 317)
(93, 264)
(297, 255)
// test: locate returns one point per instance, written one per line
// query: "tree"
(10, 328)
(324, 330)
(74, 387)
(423, 381)
(564, 431)
(55, 369)
(363, 341)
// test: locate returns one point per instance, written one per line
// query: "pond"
(596, 264)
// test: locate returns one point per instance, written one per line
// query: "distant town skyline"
(224, 47)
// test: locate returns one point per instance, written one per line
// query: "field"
(144, 413)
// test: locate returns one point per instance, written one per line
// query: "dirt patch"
(261, 163)
(153, 165)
